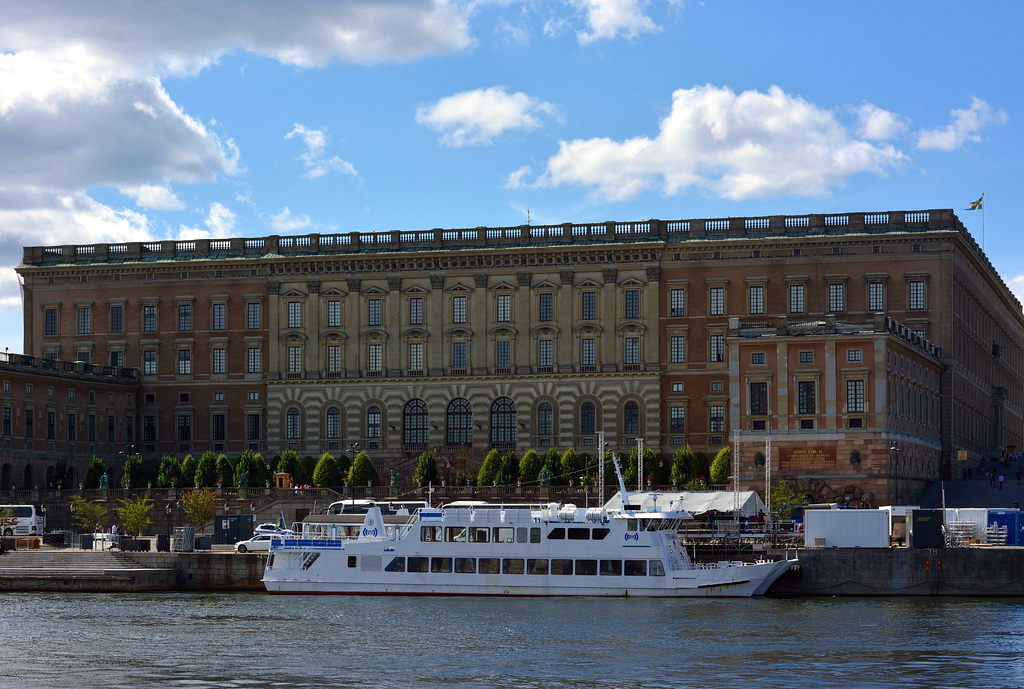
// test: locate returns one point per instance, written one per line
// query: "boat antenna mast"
(622, 483)
(600, 468)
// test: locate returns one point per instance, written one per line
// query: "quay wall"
(209, 571)
(905, 572)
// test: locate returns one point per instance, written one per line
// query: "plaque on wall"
(805, 458)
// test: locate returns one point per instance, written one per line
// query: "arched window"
(631, 418)
(294, 424)
(415, 422)
(460, 422)
(333, 422)
(503, 421)
(545, 424)
(28, 481)
(587, 416)
(373, 422)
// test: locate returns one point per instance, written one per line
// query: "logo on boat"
(369, 532)
(632, 537)
(370, 521)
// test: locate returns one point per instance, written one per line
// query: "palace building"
(875, 350)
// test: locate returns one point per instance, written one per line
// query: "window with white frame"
(295, 314)
(756, 299)
(416, 311)
(677, 419)
(588, 351)
(294, 359)
(149, 362)
(545, 353)
(855, 396)
(333, 422)
(375, 357)
(334, 358)
(716, 301)
(253, 360)
(334, 313)
(184, 362)
(374, 312)
(504, 311)
(632, 303)
(796, 298)
(677, 302)
(149, 318)
(677, 349)
(717, 348)
(219, 363)
(916, 294)
(84, 320)
(876, 296)
(836, 297)
(416, 356)
(220, 318)
(716, 418)
(252, 315)
(459, 309)
(184, 316)
(632, 350)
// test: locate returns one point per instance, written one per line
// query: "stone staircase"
(79, 570)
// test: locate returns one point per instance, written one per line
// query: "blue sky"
(164, 120)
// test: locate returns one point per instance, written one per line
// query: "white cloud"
(741, 146)
(515, 179)
(1016, 285)
(965, 126)
(220, 220)
(478, 117)
(609, 18)
(316, 164)
(154, 197)
(878, 124)
(285, 222)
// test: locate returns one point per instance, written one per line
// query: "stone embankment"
(70, 570)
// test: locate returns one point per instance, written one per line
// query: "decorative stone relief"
(567, 276)
(313, 286)
(354, 284)
(524, 279)
(437, 281)
(394, 283)
(274, 287)
(480, 280)
(653, 273)
(610, 275)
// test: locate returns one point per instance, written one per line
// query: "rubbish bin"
(163, 543)
(85, 541)
(204, 542)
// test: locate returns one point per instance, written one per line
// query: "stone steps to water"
(98, 571)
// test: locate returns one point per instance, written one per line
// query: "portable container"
(846, 529)
(1005, 518)
(924, 529)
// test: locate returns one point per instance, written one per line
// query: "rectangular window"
(149, 362)
(546, 353)
(459, 309)
(84, 320)
(677, 419)
(416, 356)
(7, 420)
(334, 358)
(294, 359)
(72, 427)
(756, 299)
(117, 358)
(416, 311)
(503, 354)
(759, 399)
(632, 303)
(588, 352)
(295, 314)
(334, 313)
(149, 428)
(219, 360)
(545, 306)
(805, 397)
(588, 306)
(252, 358)
(836, 297)
(375, 357)
(218, 427)
(917, 294)
(677, 353)
(758, 358)
(716, 301)
(117, 319)
(459, 355)
(129, 429)
(806, 357)
(83, 355)
(184, 316)
(504, 308)
(220, 316)
(717, 419)
(374, 312)
(51, 425)
(184, 427)
(876, 296)
(677, 302)
(30, 423)
(796, 298)
(252, 315)
(855, 396)
(149, 318)
(717, 348)
(91, 428)
(50, 320)
(252, 427)
(184, 362)
(854, 355)
(632, 350)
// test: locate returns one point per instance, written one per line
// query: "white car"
(272, 530)
(259, 542)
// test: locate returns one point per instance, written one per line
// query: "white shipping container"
(846, 529)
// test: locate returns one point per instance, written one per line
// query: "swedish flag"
(977, 204)
(280, 521)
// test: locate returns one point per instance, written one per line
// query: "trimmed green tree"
(683, 466)
(530, 466)
(188, 472)
(508, 469)
(225, 472)
(362, 471)
(170, 468)
(326, 474)
(553, 463)
(571, 466)
(307, 465)
(426, 470)
(289, 464)
(133, 475)
(252, 462)
(721, 468)
(94, 473)
(489, 470)
(206, 469)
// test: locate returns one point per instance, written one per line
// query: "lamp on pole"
(894, 458)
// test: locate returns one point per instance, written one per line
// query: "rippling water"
(254, 640)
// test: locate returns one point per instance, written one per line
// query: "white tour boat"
(515, 550)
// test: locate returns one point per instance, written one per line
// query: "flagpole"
(983, 221)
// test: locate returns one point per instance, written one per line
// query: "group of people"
(996, 475)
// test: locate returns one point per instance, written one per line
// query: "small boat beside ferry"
(512, 550)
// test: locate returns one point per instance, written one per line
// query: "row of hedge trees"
(685, 468)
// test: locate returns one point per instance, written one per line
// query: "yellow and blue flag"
(280, 521)
(977, 204)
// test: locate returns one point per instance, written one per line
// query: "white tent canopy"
(694, 502)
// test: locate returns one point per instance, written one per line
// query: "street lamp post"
(894, 457)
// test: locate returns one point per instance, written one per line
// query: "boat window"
(441, 565)
(351, 560)
(504, 534)
(397, 564)
(430, 534)
(419, 564)
(636, 568)
(455, 534)
(586, 568)
(657, 568)
(668, 524)
(599, 533)
(465, 565)
(631, 525)
(370, 563)
(557, 534)
(270, 561)
(535, 534)
(611, 568)
(655, 524)
(489, 565)
(511, 566)
(579, 534)
(521, 534)
(539, 566)
(478, 534)
(562, 567)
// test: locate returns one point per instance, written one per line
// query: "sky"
(138, 121)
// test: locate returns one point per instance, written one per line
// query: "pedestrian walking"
(1002, 478)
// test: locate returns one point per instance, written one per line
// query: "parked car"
(259, 542)
(272, 530)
